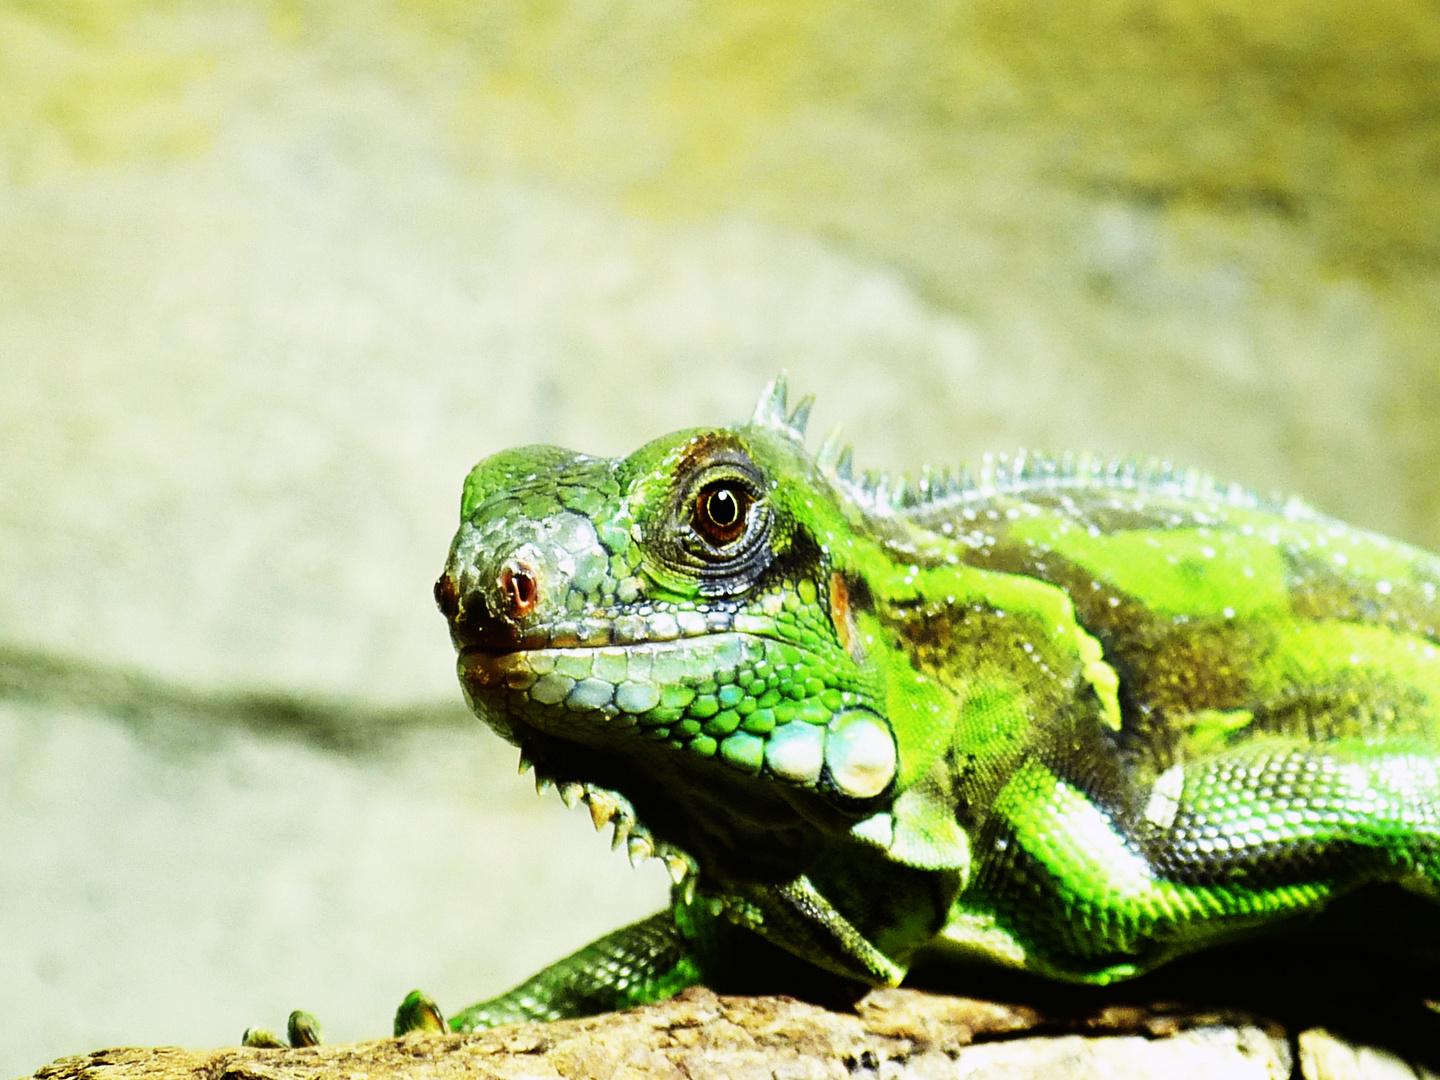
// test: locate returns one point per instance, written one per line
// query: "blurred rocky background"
(273, 275)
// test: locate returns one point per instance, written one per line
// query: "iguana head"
(673, 637)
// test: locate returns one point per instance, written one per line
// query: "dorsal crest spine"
(997, 474)
(770, 410)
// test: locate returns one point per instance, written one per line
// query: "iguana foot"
(418, 1012)
(301, 1029)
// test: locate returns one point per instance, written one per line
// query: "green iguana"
(1072, 716)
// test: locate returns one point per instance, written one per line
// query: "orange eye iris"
(720, 512)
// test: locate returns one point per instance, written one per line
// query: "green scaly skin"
(1071, 716)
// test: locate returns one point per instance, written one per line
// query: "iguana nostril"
(520, 588)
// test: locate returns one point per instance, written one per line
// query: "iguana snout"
(503, 593)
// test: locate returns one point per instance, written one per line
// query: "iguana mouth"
(490, 668)
(473, 625)
(621, 680)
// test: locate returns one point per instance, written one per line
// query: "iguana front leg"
(638, 964)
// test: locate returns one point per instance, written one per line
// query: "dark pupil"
(723, 507)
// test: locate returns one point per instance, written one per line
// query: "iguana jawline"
(787, 833)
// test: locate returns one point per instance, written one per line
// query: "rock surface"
(894, 1035)
(890, 1035)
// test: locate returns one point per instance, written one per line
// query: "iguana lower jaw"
(672, 802)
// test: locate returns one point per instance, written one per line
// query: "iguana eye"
(721, 510)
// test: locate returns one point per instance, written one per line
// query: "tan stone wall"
(272, 276)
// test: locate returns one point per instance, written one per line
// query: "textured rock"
(892, 1035)
(897, 1034)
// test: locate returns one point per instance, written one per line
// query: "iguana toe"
(418, 1012)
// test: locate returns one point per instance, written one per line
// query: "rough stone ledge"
(891, 1034)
